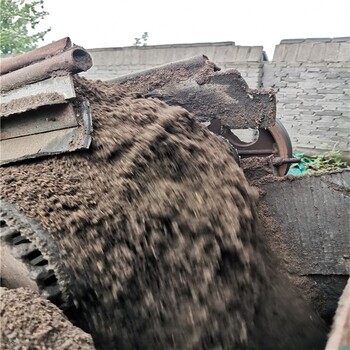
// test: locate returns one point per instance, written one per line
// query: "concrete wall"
(311, 76)
(112, 62)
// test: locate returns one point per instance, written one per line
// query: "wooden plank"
(51, 142)
(50, 91)
(45, 119)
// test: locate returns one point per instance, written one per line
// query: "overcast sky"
(113, 23)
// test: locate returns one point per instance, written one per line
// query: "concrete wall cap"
(164, 46)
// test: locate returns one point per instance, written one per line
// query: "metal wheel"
(273, 141)
(30, 258)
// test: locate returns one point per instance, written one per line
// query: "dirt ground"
(31, 322)
(159, 230)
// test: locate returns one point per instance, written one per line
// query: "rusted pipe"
(73, 61)
(13, 63)
(279, 161)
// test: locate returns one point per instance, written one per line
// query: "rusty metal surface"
(47, 92)
(197, 85)
(73, 61)
(13, 63)
(274, 142)
(52, 142)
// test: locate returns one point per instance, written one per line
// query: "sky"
(116, 23)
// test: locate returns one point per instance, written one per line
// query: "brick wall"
(312, 77)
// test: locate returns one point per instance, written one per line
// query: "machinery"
(41, 116)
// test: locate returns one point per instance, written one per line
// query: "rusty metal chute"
(39, 112)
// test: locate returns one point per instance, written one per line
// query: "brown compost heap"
(31, 322)
(158, 228)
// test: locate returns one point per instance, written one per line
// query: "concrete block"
(290, 90)
(325, 128)
(339, 64)
(314, 69)
(345, 113)
(279, 84)
(329, 86)
(328, 112)
(336, 97)
(304, 51)
(345, 75)
(292, 52)
(317, 40)
(330, 105)
(318, 52)
(310, 104)
(340, 130)
(308, 115)
(341, 39)
(229, 65)
(304, 144)
(292, 41)
(288, 112)
(255, 54)
(344, 52)
(231, 53)
(310, 75)
(331, 54)
(268, 77)
(312, 97)
(290, 80)
(329, 82)
(279, 53)
(332, 75)
(309, 84)
(243, 53)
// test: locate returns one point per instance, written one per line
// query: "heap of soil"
(158, 228)
(31, 322)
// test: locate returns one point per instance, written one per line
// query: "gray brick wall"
(312, 77)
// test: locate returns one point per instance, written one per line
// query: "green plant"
(141, 41)
(327, 161)
(18, 20)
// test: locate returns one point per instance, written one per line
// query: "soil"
(31, 322)
(159, 230)
(257, 169)
(199, 68)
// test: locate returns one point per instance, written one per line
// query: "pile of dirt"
(31, 322)
(257, 169)
(158, 228)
